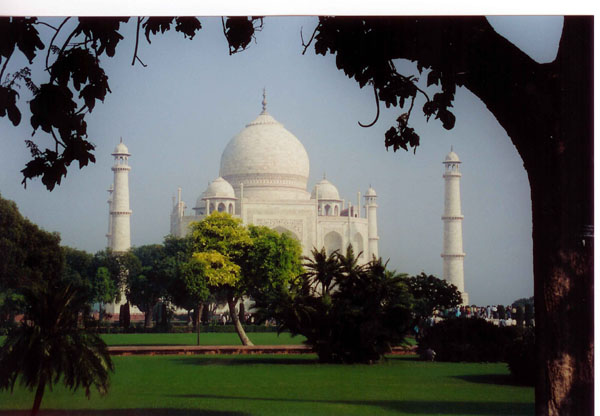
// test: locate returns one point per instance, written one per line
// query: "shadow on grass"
(402, 406)
(499, 379)
(125, 412)
(143, 344)
(248, 360)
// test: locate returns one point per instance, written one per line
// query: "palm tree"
(49, 346)
(324, 270)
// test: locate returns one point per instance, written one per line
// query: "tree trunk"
(547, 111)
(199, 310)
(562, 193)
(148, 317)
(39, 394)
(564, 287)
(242, 313)
(236, 321)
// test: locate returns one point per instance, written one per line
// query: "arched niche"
(332, 242)
(358, 245)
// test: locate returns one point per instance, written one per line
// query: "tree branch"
(140, 61)
(52, 41)
(4, 66)
(310, 40)
(39, 22)
(225, 34)
(137, 41)
(377, 115)
(57, 141)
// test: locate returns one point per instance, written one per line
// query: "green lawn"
(288, 385)
(206, 338)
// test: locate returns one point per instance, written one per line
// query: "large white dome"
(268, 159)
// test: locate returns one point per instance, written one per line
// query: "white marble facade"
(263, 180)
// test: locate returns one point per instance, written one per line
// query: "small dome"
(219, 188)
(200, 201)
(326, 190)
(452, 158)
(371, 192)
(121, 149)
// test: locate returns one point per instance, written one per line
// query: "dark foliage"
(240, 30)
(27, 254)
(348, 313)
(523, 301)
(521, 357)
(431, 293)
(76, 79)
(467, 339)
(50, 346)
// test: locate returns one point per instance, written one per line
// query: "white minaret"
(371, 209)
(109, 233)
(119, 207)
(453, 254)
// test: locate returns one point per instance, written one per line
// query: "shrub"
(467, 339)
(521, 357)
(348, 313)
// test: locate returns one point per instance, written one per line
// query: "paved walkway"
(224, 349)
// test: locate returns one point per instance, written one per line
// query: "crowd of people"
(497, 314)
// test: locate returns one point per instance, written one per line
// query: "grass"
(288, 385)
(206, 338)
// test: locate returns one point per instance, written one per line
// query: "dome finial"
(451, 148)
(264, 101)
(121, 139)
(324, 175)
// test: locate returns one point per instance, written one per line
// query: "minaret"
(120, 212)
(110, 199)
(453, 254)
(371, 208)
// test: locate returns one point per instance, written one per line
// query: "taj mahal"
(263, 180)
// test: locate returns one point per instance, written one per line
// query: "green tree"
(194, 277)
(221, 243)
(49, 346)
(28, 255)
(523, 302)
(147, 286)
(430, 293)
(272, 262)
(107, 272)
(178, 252)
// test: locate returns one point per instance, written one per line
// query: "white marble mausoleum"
(263, 180)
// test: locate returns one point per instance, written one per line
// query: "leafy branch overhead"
(365, 50)
(76, 80)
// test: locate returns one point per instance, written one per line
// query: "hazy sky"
(177, 115)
